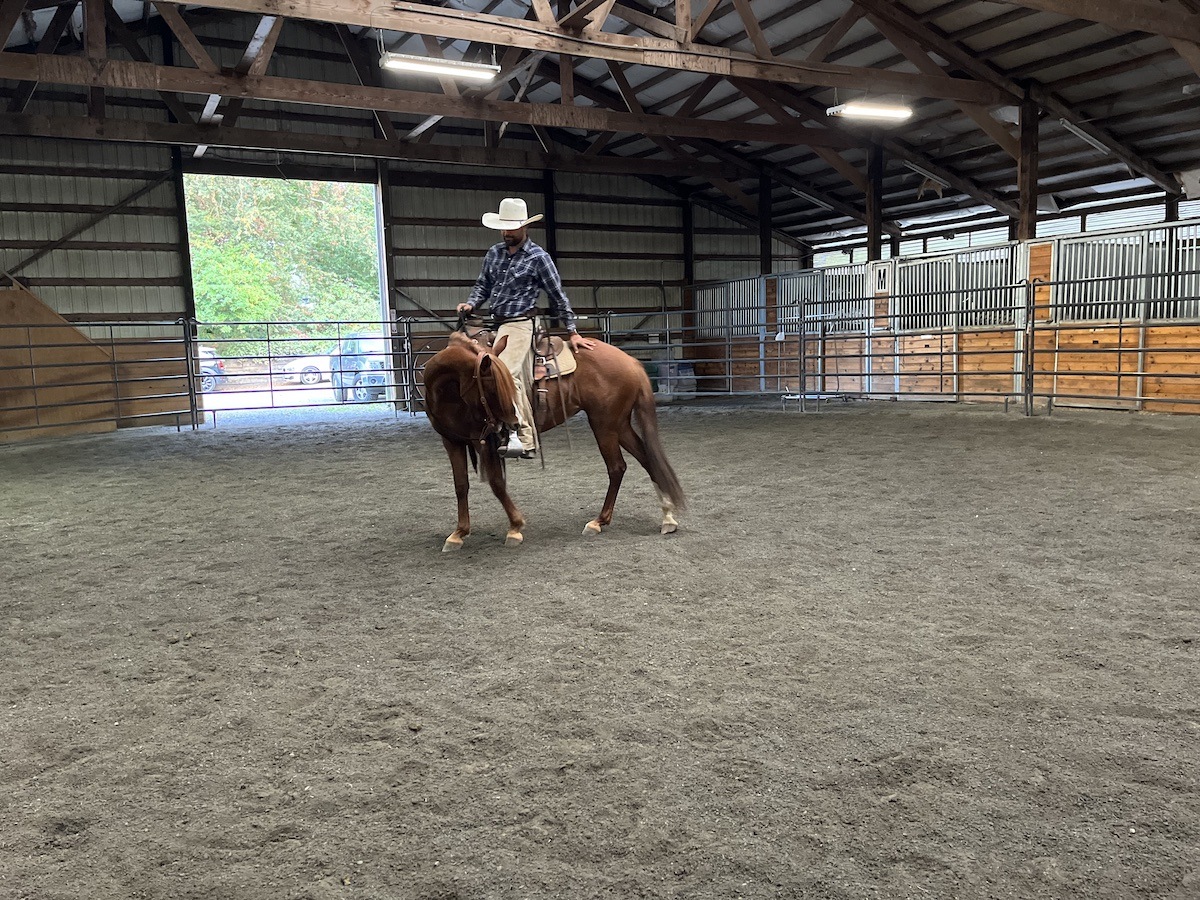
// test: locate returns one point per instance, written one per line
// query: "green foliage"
(267, 250)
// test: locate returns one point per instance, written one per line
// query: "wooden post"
(387, 265)
(1027, 171)
(875, 201)
(551, 245)
(764, 224)
(689, 243)
(1171, 210)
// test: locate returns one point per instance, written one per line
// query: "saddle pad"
(564, 364)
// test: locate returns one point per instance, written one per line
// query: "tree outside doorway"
(282, 271)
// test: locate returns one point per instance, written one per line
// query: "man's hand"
(579, 342)
(463, 308)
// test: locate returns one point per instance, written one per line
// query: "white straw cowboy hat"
(512, 215)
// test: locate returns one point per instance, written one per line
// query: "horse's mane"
(498, 374)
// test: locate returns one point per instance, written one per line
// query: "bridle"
(492, 421)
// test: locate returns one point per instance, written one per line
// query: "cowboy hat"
(512, 215)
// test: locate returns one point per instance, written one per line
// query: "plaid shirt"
(511, 283)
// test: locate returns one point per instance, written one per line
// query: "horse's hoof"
(452, 543)
(669, 528)
(591, 529)
(514, 539)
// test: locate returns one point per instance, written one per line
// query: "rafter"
(47, 44)
(648, 51)
(141, 132)
(186, 37)
(917, 55)
(253, 63)
(142, 76)
(968, 61)
(1128, 15)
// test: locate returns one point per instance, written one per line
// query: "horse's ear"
(499, 346)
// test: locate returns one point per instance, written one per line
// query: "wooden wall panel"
(51, 376)
(925, 363)
(1172, 367)
(845, 365)
(1041, 266)
(988, 364)
(1096, 363)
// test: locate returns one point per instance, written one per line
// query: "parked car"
(306, 370)
(359, 368)
(212, 369)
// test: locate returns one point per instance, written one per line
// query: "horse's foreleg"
(462, 484)
(632, 442)
(610, 448)
(493, 471)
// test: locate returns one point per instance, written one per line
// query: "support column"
(764, 224)
(551, 229)
(384, 218)
(688, 225)
(875, 201)
(1171, 211)
(1027, 172)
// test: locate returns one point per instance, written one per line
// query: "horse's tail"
(661, 472)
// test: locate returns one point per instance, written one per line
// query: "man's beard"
(512, 241)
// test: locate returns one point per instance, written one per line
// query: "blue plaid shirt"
(511, 283)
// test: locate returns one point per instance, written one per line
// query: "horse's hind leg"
(462, 484)
(632, 442)
(608, 440)
(493, 471)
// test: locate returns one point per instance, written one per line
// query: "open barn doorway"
(290, 307)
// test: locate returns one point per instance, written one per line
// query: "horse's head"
(486, 380)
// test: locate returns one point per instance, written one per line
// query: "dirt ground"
(893, 652)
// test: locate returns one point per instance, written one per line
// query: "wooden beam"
(834, 35)
(187, 39)
(647, 51)
(875, 202)
(683, 20)
(140, 132)
(919, 57)
(368, 73)
(1128, 15)
(701, 20)
(134, 49)
(968, 61)
(1027, 171)
(144, 76)
(577, 18)
(10, 14)
(541, 9)
(95, 44)
(753, 31)
(47, 44)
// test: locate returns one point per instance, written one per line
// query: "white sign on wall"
(881, 277)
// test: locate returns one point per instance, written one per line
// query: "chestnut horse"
(469, 397)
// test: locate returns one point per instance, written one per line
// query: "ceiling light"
(870, 111)
(815, 201)
(444, 68)
(1084, 136)
(927, 174)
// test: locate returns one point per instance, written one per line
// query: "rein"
(491, 418)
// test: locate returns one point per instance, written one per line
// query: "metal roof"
(736, 105)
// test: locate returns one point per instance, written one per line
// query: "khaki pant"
(518, 357)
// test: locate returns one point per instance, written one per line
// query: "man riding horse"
(513, 272)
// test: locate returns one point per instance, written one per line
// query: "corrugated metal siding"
(42, 208)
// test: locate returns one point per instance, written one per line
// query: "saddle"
(552, 357)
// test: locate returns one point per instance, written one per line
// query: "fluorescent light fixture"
(861, 110)
(815, 201)
(927, 174)
(443, 68)
(1083, 135)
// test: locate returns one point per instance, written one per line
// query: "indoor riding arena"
(928, 626)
